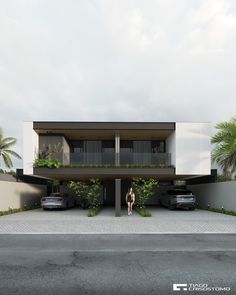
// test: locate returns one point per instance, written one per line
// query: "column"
(118, 197)
(117, 149)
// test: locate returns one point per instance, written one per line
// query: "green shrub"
(217, 210)
(144, 190)
(94, 192)
(222, 177)
(50, 163)
(91, 191)
(11, 172)
(143, 212)
(94, 211)
(16, 210)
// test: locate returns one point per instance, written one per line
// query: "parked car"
(58, 201)
(178, 198)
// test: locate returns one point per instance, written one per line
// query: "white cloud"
(116, 60)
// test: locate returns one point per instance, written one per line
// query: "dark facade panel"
(85, 173)
(118, 197)
(203, 179)
(40, 125)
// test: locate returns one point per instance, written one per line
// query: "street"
(116, 264)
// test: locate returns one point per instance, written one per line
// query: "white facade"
(190, 148)
(30, 147)
(171, 147)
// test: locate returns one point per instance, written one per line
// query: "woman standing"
(130, 198)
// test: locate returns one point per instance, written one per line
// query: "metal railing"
(123, 158)
(145, 158)
(92, 158)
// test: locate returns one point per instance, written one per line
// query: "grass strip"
(217, 210)
(143, 212)
(94, 211)
(17, 210)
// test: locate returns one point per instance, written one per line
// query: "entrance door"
(109, 193)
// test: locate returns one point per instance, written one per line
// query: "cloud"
(116, 60)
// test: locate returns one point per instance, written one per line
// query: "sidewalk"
(75, 221)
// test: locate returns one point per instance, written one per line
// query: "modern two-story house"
(115, 152)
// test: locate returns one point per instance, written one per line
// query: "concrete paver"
(75, 221)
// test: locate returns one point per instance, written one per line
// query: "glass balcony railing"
(92, 158)
(124, 158)
(145, 158)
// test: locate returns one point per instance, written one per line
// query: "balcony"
(105, 166)
(126, 158)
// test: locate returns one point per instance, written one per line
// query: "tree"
(5, 149)
(81, 191)
(224, 152)
(144, 190)
(94, 192)
(90, 191)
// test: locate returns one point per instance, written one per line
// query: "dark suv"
(178, 198)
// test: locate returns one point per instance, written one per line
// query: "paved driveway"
(75, 221)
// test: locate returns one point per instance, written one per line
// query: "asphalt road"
(116, 264)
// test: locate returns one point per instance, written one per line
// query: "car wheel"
(170, 207)
(192, 208)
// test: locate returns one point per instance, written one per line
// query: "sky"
(104, 60)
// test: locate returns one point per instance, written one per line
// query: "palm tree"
(5, 151)
(224, 153)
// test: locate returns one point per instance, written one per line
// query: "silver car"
(178, 198)
(58, 201)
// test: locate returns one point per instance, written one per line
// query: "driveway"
(75, 221)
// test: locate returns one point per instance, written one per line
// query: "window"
(126, 145)
(76, 146)
(158, 146)
(108, 146)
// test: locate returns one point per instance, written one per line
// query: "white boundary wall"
(16, 195)
(216, 195)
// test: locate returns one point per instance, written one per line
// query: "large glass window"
(126, 145)
(92, 146)
(142, 146)
(76, 146)
(108, 146)
(86, 146)
(158, 146)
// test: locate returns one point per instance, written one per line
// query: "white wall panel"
(171, 147)
(30, 147)
(193, 155)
